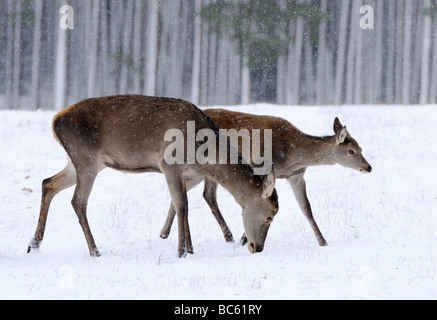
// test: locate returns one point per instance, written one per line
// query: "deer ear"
(340, 136)
(337, 125)
(268, 184)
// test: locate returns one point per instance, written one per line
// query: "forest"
(219, 52)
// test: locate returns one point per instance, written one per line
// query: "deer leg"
(166, 229)
(50, 187)
(210, 195)
(85, 181)
(178, 193)
(298, 185)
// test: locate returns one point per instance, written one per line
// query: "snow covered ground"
(381, 228)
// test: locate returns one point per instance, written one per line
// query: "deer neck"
(238, 179)
(312, 151)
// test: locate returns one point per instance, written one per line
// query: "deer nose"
(253, 248)
(369, 168)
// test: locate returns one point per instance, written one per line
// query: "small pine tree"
(262, 30)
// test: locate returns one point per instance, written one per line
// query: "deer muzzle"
(254, 248)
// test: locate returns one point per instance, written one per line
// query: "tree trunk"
(137, 45)
(126, 52)
(204, 61)
(407, 52)
(297, 63)
(93, 48)
(152, 47)
(389, 84)
(34, 87)
(9, 55)
(175, 80)
(60, 69)
(341, 52)
(358, 53)
(376, 83)
(195, 76)
(105, 75)
(417, 20)
(321, 59)
(433, 89)
(424, 83)
(351, 62)
(245, 80)
(17, 56)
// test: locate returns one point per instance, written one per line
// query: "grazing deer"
(127, 133)
(293, 152)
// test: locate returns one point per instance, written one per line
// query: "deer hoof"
(95, 253)
(243, 240)
(33, 245)
(322, 242)
(164, 235)
(229, 238)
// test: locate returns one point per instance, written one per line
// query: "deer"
(293, 152)
(127, 133)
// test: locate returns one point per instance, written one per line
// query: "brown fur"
(126, 132)
(293, 151)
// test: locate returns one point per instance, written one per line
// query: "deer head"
(347, 151)
(257, 225)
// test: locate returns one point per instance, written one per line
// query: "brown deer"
(127, 133)
(293, 152)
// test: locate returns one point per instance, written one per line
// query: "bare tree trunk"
(245, 80)
(204, 63)
(9, 55)
(400, 26)
(175, 80)
(389, 86)
(137, 45)
(115, 28)
(162, 76)
(297, 61)
(310, 81)
(407, 52)
(124, 57)
(195, 77)
(17, 56)
(417, 21)
(34, 87)
(105, 76)
(152, 47)
(93, 47)
(341, 52)
(358, 53)
(60, 69)
(424, 83)
(376, 82)
(351, 67)
(321, 79)
(433, 89)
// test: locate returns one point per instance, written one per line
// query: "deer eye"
(268, 220)
(352, 152)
